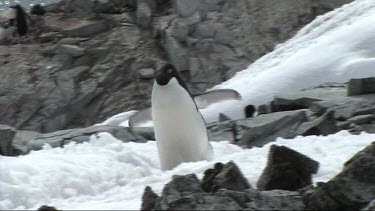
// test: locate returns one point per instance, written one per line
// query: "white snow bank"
(106, 174)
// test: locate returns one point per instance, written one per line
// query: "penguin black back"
(166, 73)
(249, 111)
(37, 10)
(21, 22)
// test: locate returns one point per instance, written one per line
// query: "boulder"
(6, 138)
(221, 177)
(147, 73)
(144, 15)
(72, 50)
(149, 199)
(287, 170)
(47, 208)
(361, 86)
(352, 189)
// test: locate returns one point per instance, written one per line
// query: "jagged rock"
(222, 177)
(149, 199)
(322, 125)
(47, 208)
(186, 8)
(352, 189)
(6, 137)
(287, 170)
(223, 117)
(361, 86)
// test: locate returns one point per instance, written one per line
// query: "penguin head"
(166, 73)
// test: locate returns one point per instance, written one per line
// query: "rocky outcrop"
(287, 170)
(22, 142)
(186, 193)
(80, 62)
(352, 189)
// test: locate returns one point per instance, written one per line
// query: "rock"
(47, 208)
(361, 86)
(221, 177)
(71, 41)
(147, 73)
(263, 129)
(287, 170)
(149, 199)
(275, 200)
(371, 206)
(61, 138)
(352, 189)
(322, 125)
(186, 8)
(6, 138)
(362, 119)
(72, 50)
(144, 14)
(50, 37)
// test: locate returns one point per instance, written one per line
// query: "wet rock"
(362, 119)
(287, 170)
(361, 86)
(352, 189)
(6, 138)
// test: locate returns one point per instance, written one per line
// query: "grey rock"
(223, 117)
(352, 189)
(186, 8)
(361, 86)
(221, 177)
(47, 208)
(50, 37)
(61, 138)
(371, 206)
(266, 128)
(362, 119)
(144, 14)
(322, 125)
(275, 200)
(70, 41)
(72, 50)
(149, 199)
(287, 170)
(147, 73)
(6, 138)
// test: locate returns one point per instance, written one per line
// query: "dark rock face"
(47, 208)
(186, 193)
(120, 37)
(352, 189)
(6, 138)
(361, 86)
(226, 176)
(287, 170)
(148, 199)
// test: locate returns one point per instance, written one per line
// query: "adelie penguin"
(20, 20)
(37, 10)
(180, 130)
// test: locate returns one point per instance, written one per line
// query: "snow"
(107, 174)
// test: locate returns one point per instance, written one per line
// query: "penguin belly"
(180, 131)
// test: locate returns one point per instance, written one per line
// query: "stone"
(85, 28)
(6, 140)
(287, 170)
(144, 14)
(147, 73)
(186, 8)
(50, 37)
(223, 117)
(322, 125)
(351, 189)
(275, 200)
(362, 119)
(371, 206)
(72, 50)
(149, 199)
(47, 208)
(263, 129)
(361, 86)
(221, 177)
(80, 135)
(70, 41)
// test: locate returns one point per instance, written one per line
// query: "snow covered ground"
(106, 174)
